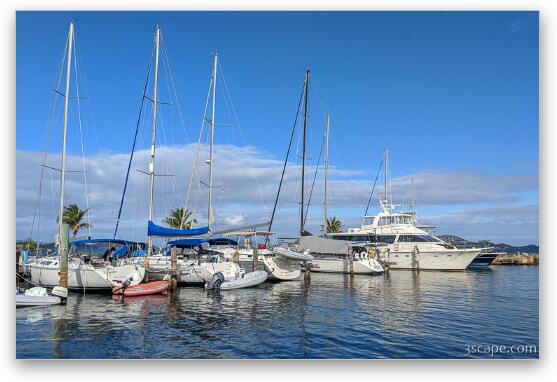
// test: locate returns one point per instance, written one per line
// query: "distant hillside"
(501, 247)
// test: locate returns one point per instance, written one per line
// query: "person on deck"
(107, 256)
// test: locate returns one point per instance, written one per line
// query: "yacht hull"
(450, 260)
(483, 260)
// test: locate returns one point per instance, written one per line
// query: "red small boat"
(152, 287)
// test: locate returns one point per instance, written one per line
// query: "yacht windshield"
(417, 239)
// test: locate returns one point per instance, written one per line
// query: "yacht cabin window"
(387, 239)
(368, 220)
(385, 220)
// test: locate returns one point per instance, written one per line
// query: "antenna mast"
(386, 196)
(413, 200)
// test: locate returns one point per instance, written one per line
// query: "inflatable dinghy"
(248, 280)
(285, 252)
(242, 280)
(38, 296)
(144, 289)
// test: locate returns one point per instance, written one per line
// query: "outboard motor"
(61, 292)
(215, 282)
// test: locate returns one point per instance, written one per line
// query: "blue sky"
(448, 92)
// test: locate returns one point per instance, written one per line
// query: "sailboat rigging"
(81, 273)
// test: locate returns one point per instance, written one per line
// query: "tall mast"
(302, 229)
(386, 197)
(212, 137)
(154, 135)
(326, 173)
(64, 135)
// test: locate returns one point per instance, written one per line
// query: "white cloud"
(245, 184)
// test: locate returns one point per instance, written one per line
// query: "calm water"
(402, 315)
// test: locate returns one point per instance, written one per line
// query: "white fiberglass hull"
(85, 276)
(342, 265)
(188, 271)
(282, 269)
(449, 260)
(279, 268)
(24, 300)
(248, 280)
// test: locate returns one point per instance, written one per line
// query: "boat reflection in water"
(399, 315)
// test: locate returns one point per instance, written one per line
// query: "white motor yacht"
(402, 244)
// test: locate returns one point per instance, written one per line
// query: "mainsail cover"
(155, 230)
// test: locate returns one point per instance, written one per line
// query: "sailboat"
(82, 274)
(195, 262)
(401, 242)
(328, 255)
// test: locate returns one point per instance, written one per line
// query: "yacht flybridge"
(404, 244)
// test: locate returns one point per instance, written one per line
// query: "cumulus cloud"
(245, 185)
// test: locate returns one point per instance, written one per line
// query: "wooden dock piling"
(173, 269)
(64, 240)
(351, 262)
(255, 258)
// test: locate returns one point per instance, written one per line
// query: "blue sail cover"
(155, 230)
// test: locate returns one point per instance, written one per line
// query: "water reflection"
(402, 314)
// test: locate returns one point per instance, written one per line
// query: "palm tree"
(73, 216)
(180, 218)
(334, 225)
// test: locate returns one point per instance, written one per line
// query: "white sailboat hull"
(188, 271)
(282, 269)
(342, 265)
(447, 260)
(85, 276)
